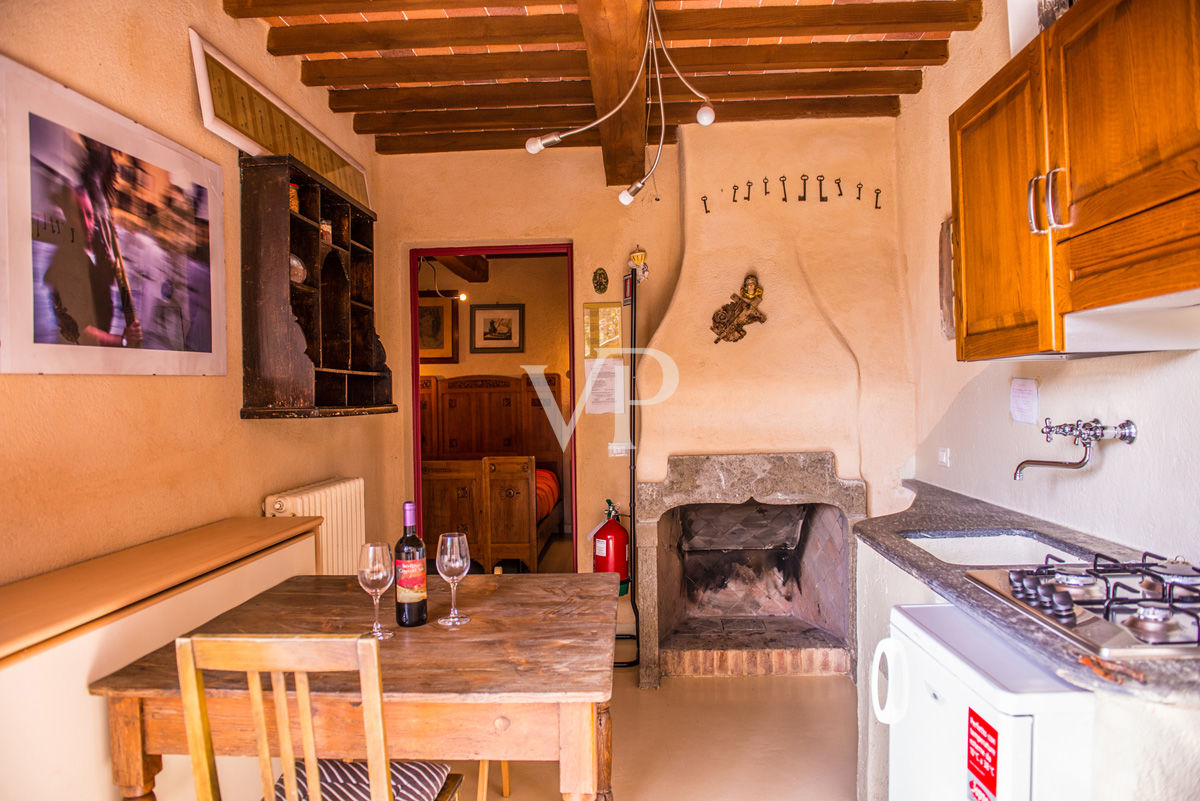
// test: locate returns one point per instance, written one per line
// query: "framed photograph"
(112, 241)
(498, 328)
(437, 328)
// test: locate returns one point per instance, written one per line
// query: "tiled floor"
(715, 739)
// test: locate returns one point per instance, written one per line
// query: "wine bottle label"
(410, 580)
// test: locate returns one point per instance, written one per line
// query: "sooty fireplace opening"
(758, 567)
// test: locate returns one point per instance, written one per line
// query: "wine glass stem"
(454, 599)
(375, 598)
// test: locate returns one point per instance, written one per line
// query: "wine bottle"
(411, 603)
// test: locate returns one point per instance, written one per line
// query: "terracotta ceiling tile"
(540, 47)
(304, 19)
(902, 36)
(724, 42)
(539, 10)
(506, 11)
(324, 56)
(397, 53)
(333, 19)
(469, 50)
(842, 2)
(831, 38)
(360, 54)
(466, 12)
(936, 35)
(432, 51)
(741, 3)
(504, 48)
(763, 40)
(426, 13)
(795, 39)
(275, 22)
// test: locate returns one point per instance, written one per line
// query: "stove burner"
(1153, 622)
(1073, 577)
(1176, 571)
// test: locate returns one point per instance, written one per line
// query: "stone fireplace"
(744, 566)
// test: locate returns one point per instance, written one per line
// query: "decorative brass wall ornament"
(730, 321)
(600, 280)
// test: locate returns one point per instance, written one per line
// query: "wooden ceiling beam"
(472, 269)
(411, 69)
(243, 9)
(774, 85)
(574, 63)
(534, 120)
(714, 23)
(349, 37)
(615, 36)
(484, 140)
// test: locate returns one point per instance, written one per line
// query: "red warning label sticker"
(981, 758)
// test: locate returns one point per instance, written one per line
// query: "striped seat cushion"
(348, 781)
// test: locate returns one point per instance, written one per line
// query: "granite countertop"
(939, 512)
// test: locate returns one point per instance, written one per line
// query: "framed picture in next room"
(498, 328)
(437, 328)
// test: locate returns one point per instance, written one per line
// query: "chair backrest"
(278, 656)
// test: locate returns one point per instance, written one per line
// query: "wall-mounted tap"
(1085, 434)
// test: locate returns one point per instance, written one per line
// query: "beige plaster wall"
(511, 197)
(96, 463)
(829, 369)
(539, 283)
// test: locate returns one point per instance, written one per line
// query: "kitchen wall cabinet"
(308, 283)
(1088, 194)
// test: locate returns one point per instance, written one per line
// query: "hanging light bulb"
(627, 194)
(462, 296)
(706, 114)
(536, 144)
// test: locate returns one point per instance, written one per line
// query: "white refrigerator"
(970, 719)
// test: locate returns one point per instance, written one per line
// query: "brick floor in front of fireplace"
(751, 646)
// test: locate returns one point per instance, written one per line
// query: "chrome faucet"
(1085, 434)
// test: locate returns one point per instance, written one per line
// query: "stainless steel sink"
(986, 546)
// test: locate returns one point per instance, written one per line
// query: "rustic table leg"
(577, 751)
(603, 753)
(133, 769)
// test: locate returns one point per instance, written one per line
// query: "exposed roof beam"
(573, 63)
(714, 23)
(573, 93)
(615, 35)
(678, 113)
(484, 140)
(472, 269)
(290, 8)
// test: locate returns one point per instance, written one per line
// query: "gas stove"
(1146, 609)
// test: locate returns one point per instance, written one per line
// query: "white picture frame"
(172, 232)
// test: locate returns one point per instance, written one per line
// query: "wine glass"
(376, 570)
(453, 562)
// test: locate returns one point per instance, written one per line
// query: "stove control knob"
(1015, 578)
(1063, 607)
(1045, 595)
(1031, 584)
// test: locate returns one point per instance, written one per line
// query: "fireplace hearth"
(744, 566)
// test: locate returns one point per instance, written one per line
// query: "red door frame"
(414, 261)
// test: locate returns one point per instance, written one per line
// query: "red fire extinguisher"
(610, 547)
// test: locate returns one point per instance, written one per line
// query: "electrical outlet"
(944, 457)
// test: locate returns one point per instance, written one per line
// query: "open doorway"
(487, 459)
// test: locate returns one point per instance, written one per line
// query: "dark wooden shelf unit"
(309, 347)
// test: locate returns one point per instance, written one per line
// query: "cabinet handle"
(897, 697)
(1051, 205)
(1033, 207)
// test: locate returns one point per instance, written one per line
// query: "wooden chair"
(299, 655)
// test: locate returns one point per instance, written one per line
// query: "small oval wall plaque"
(600, 280)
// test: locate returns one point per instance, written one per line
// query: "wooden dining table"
(528, 679)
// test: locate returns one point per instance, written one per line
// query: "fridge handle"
(897, 697)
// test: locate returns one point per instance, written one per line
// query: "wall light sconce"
(705, 115)
(462, 296)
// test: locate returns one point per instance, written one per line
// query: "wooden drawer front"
(414, 730)
(1123, 84)
(1003, 292)
(1153, 253)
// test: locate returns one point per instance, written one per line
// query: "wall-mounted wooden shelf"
(310, 346)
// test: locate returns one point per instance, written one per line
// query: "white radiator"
(340, 502)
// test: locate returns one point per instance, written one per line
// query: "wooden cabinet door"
(500, 432)
(452, 500)
(511, 502)
(1004, 303)
(1123, 99)
(459, 424)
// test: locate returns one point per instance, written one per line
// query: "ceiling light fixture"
(705, 115)
(462, 296)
